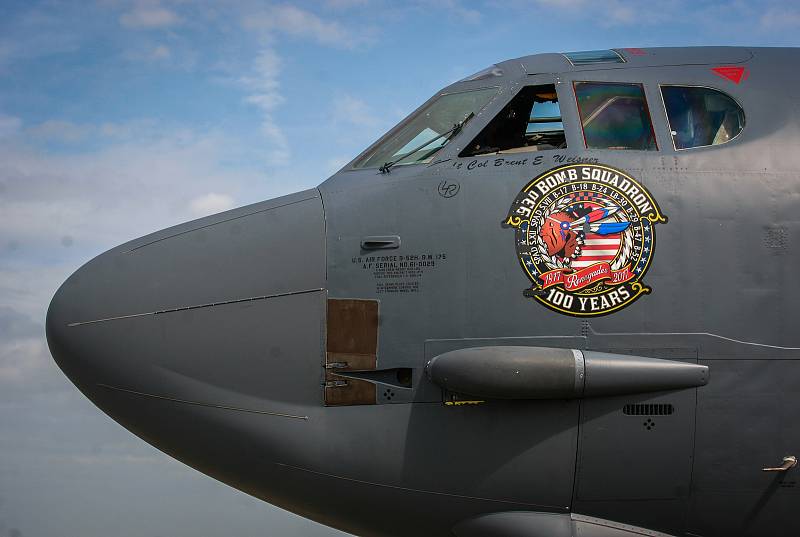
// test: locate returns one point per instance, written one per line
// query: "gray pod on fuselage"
(509, 372)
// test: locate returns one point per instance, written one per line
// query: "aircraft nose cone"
(206, 312)
(75, 354)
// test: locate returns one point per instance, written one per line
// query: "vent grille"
(775, 238)
(659, 409)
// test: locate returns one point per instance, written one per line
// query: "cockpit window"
(417, 139)
(589, 57)
(530, 122)
(700, 117)
(614, 116)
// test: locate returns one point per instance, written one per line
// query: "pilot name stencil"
(585, 237)
(497, 162)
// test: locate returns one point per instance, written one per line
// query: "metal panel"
(265, 249)
(637, 458)
(352, 345)
(649, 57)
(633, 457)
(353, 332)
(260, 355)
(731, 495)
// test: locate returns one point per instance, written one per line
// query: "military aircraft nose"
(222, 312)
(71, 352)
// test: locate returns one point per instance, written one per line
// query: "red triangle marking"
(635, 51)
(734, 74)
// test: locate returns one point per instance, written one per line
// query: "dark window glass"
(418, 138)
(614, 116)
(588, 57)
(530, 122)
(701, 116)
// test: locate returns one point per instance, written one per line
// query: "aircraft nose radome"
(66, 348)
(224, 311)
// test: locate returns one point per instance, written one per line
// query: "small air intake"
(660, 409)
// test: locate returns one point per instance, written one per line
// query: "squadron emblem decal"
(585, 236)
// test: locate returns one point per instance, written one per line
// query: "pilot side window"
(614, 116)
(700, 117)
(419, 137)
(530, 122)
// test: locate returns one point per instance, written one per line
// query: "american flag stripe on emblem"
(598, 248)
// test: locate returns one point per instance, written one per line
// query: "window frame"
(584, 63)
(701, 86)
(615, 83)
(351, 166)
(513, 94)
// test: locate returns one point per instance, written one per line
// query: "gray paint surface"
(209, 338)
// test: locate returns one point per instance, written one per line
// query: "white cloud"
(103, 459)
(780, 17)
(60, 209)
(455, 8)
(21, 358)
(264, 87)
(161, 52)
(95, 199)
(564, 4)
(22, 348)
(9, 125)
(622, 13)
(148, 14)
(266, 101)
(5, 55)
(335, 164)
(178, 54)
(357, 124)
(345, 4)
(296, 22)
(211, 203)
(59, 131)
(612, 12)
(37, 33)
(139, 129)
(263, 81)
(278, 152)
(26, 286)
(355, 111)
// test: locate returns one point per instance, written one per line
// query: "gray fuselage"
(211, 339)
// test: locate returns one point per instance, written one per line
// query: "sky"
(118, 118)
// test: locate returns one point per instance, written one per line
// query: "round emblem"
(585, 236)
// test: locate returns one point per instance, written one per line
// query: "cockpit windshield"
(418, 139)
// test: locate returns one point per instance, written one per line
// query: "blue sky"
(118, 118)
